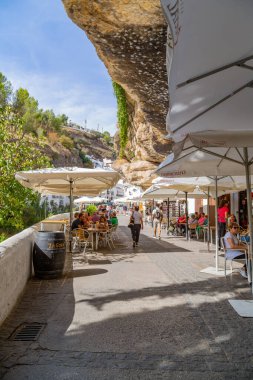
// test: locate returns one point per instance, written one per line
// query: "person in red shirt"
(181, 223)
(222, 219)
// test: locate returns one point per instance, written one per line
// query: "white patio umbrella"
(217, 83)
(68, 181)
(159, 191)
(89, 200)
(209, 57)
(126, 200)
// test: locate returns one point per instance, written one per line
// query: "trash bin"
(49, 252)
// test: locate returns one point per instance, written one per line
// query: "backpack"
(158, 215)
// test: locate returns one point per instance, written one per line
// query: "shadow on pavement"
(149, 245)
(86, 272)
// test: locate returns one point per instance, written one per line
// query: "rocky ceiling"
(130, 38)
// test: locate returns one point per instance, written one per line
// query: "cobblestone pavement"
(143, 313)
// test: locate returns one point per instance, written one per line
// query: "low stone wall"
(16, 267)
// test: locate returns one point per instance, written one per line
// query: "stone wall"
(15, 268)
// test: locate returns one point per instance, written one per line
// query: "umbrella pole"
(208, 226)
(152, 223)
(186, 214)
(70, 212)
(249, 207)
(216, 225)
(168, 216)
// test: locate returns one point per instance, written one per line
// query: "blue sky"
(42, 50)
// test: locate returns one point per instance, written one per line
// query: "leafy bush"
(107, 138)
(67, 142)
(3, 236)
(91, 209)
(86, 161)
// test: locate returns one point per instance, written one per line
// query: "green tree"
(5, 91)
(27, 108)
(17, 152)
(107, 138)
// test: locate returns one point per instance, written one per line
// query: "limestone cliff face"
(130, 38)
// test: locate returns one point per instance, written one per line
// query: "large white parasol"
(68, 181)
(90, 200)
(210, 81)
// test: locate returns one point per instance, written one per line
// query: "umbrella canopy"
(207, 64)
(126, 200)
(89, 200)
(227, 184)
(162, 191)
(58, 180)
(210, 81)
(68, 181)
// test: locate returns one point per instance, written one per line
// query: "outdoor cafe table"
(95, 235)
(60, 222)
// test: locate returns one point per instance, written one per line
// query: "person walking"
(222, 219)
(138, 225)
(157, 217)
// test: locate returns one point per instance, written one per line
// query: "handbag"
(131, 223)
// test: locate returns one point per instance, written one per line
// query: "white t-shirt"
(156, 212)
(137, 217)
(232, 254)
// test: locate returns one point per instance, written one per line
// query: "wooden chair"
(243, 250)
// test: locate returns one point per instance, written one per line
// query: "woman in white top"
(231, 241)
(138, 225)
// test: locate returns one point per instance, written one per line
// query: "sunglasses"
(235, 228)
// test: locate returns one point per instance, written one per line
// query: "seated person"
(114, 219)
(181, 223)
(76, 215)
(203, 221)
(197, 215)
(231, 241)
(86, 220)
(102, 223)
(192, 219)
(231, 219)
(95, 217)
(77, 223)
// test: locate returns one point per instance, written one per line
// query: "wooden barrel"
(49, 254)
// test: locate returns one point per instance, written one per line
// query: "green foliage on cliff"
(122, 115)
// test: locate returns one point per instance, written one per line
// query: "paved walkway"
(144, 313)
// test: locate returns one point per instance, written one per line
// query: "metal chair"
(81, 239)
(192, 232)
(114, 232)
(243, 250)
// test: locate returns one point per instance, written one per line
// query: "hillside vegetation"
(32, 138)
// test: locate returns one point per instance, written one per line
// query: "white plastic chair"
(243, 250)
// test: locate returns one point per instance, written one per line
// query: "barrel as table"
(49, 254)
